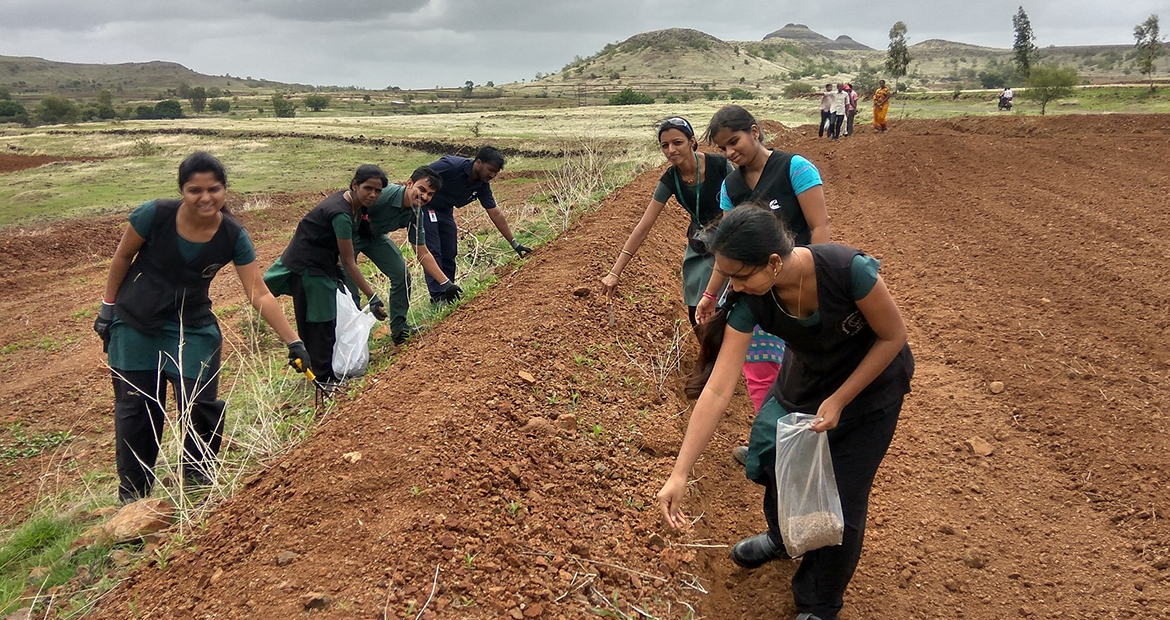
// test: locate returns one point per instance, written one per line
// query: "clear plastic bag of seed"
(808, 502)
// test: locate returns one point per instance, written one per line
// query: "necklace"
(799, 295)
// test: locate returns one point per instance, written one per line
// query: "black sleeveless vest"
(819, 358)
(313, 248)
(161, 286)
(775, 190)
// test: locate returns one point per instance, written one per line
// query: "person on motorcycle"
(1005, 98)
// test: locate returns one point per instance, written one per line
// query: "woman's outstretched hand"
(670, 501)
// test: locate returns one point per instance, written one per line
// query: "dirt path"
(1025, 251)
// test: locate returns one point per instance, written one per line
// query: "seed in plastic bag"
(811, 531)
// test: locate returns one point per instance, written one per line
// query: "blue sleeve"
(486, 199)
(804, 175)
(724, 199)
(741, 318)
(245, 252)
(142, 218)
(864, 275)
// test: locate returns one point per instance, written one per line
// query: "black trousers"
(443, 242)
(835, 126)
(849, 114)
(826, 121)
(858, 446)
(139, 400)
(319, 337)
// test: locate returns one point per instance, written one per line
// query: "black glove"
(378, 308)
(298, 356)
(451, 291)
(102, 323)
(521, 250)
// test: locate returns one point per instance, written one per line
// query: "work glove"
(521, 250)
(378, 308)
(298, 356)
(451, 291)
(102, 323)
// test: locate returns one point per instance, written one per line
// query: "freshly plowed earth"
(1030, 252)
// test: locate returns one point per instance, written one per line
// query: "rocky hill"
(32, 78)
(803, 35)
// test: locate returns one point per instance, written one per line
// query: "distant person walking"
(695, 180)
(826, 111)
(850, 108)
(837, 109)
(881, 106)
(464, 180)
(157, 325)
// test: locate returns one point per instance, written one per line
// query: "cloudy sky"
(424, 43)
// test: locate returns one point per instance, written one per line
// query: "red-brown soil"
(1025, 251)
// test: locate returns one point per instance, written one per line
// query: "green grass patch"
(21, 445)
(36, 557)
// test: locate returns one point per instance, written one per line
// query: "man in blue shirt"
(464, 180)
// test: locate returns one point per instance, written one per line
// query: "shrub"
(317, 103)
(54, 109)
(671, 99)
(739, 93)
(171, 108)
(11, 108)
(629, 96)
(795, 90)
(283, 107)
(219, 105)
(1048, 83)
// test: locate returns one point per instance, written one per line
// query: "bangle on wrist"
(108, 302)
(616, 275)
(627, 253)
(707, 295)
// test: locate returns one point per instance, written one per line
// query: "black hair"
(201, 161)
(432, 177)
(750, 234)
(731, 117)
(364, 173)
(491, 155)
(676, 122)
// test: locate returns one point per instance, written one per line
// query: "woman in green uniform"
(307, 270)
(157, 325)
(846, 360)
(694, 179)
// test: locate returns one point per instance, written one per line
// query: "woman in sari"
(881, 105)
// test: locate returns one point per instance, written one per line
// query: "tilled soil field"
(509, 460)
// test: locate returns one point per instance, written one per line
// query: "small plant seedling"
(514, 508)
(469, 560)
(597, 430)
(415, 491)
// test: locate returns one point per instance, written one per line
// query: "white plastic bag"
(809, 505)
(351, 351)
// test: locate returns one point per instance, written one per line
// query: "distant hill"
(803, 35)
(31, 78)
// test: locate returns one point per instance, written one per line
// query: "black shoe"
(740, 453)
(756, 551)
(407, 333)
(195, 477)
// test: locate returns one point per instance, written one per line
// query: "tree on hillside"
(1149, 46)
(5, 94)
(198, 98)
(468, 86)
(171, 108)
(10, 110)
(105, 97)
(898, 55)
(54, 109)
(1025, 46)
(184, 90)
(222, 106)
(317, 103)
(1050, 83)
(629, 96)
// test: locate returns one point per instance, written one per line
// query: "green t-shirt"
(863, 272)
(342, 226)
(388, 215)
(143, 218)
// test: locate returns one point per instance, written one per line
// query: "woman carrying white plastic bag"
(351, 350)
(846, 359)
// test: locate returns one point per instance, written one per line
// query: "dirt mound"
(509, 460)
(11, 163)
